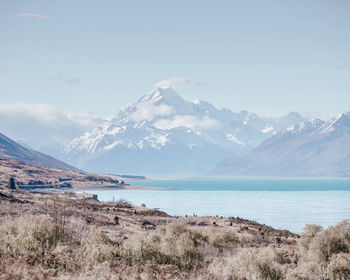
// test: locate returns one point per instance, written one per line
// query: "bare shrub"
(18, 269)
(249, 263)
(75, 229)
(169, 244)
(335, 239)
(221, 238)
(323, 255)
(97, 246)
(339, 266)
(29, 233)
(311, 230)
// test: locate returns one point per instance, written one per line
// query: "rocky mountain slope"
(313, 148)
(11, 149)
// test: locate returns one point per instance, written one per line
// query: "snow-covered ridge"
(340, 122)
(337, 126)
(308, 148)
(303, 126)
(161, 121)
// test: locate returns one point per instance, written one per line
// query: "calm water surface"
(285, 204)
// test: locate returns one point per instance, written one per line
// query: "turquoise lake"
(283, 204)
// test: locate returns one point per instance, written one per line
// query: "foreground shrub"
(334, 240)
(97, 246)
(339, 266)
(325, 254)
(28, 233)
(170, 244)
(222, 239)
(249, 263)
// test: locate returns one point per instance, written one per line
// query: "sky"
(268, 57)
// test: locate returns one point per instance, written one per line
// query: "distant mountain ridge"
(313, 148)
(164, 134)
(11, 149)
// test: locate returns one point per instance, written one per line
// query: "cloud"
(188, 121)
(30, 15)
(176, 82)
(343, 64)
(42, 126)
(147, 111)
(66, 78)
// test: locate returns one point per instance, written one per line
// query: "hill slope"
(11, 149)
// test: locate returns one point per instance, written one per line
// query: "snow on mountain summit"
(304, 126)
(162, 124)
(162, 94)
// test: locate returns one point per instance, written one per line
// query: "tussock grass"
(221, 238)
(170, 244)
(28, 233)
(249, 263)
(98, 247)
(325, 254)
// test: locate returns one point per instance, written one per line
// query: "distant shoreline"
(112, 187)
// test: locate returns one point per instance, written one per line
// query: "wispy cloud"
(188, 121)
(66, 78)
(176, 82)
(343, 64)
(147, 111)
(30, 15)
(38, 125)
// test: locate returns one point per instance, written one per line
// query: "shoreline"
(112, 187)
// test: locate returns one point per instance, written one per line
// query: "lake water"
(284, 204)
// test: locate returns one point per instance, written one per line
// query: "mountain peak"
(338, 124)
(303, 126)
(162, 94)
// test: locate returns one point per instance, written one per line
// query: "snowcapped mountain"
(285, 121)
(164, 134)
(313, 148)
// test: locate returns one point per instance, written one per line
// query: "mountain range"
(314, 148)
(164, 134)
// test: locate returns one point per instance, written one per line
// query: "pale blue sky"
(269, 57)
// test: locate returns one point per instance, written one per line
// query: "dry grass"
(65, 236)
(171, 244)
(23, 173)
(250, 263)
(222, 238)
(29, 234)
(325, 254)
(97, 247)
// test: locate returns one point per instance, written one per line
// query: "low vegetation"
(70, 236)
(27, 176)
